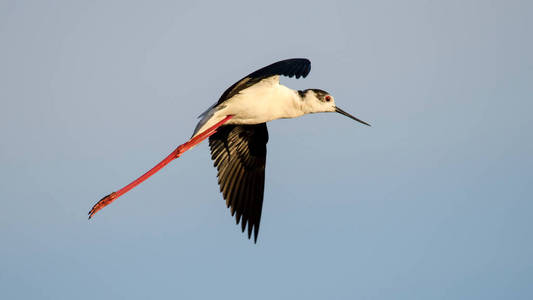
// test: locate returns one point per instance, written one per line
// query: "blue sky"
(432, 202)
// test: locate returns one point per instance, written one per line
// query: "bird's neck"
(306, 102)
(289, 103)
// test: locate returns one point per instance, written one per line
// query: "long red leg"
(175, 154)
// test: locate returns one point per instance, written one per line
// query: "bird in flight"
(237, 132)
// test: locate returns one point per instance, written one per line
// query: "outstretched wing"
(298, 67)
(239, 154)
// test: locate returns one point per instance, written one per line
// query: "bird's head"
(316, 101)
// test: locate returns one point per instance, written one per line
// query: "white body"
(264, 101)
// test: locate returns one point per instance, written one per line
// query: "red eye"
(328, 98)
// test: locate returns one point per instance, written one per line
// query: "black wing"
(298, 67)
(239, 154)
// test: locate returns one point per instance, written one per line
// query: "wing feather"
(239, 154)
(298, 67)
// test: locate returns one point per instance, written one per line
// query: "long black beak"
(340, 111)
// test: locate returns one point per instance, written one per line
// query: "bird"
(236, 128)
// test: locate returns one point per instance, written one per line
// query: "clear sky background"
(433, 202)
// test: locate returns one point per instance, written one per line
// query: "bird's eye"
(328, 98)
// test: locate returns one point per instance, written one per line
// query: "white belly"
(259, 103)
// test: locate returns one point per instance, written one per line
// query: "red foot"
(102, 203)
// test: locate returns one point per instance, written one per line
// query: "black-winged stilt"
(237, 132)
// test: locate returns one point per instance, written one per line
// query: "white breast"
(265, 101)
